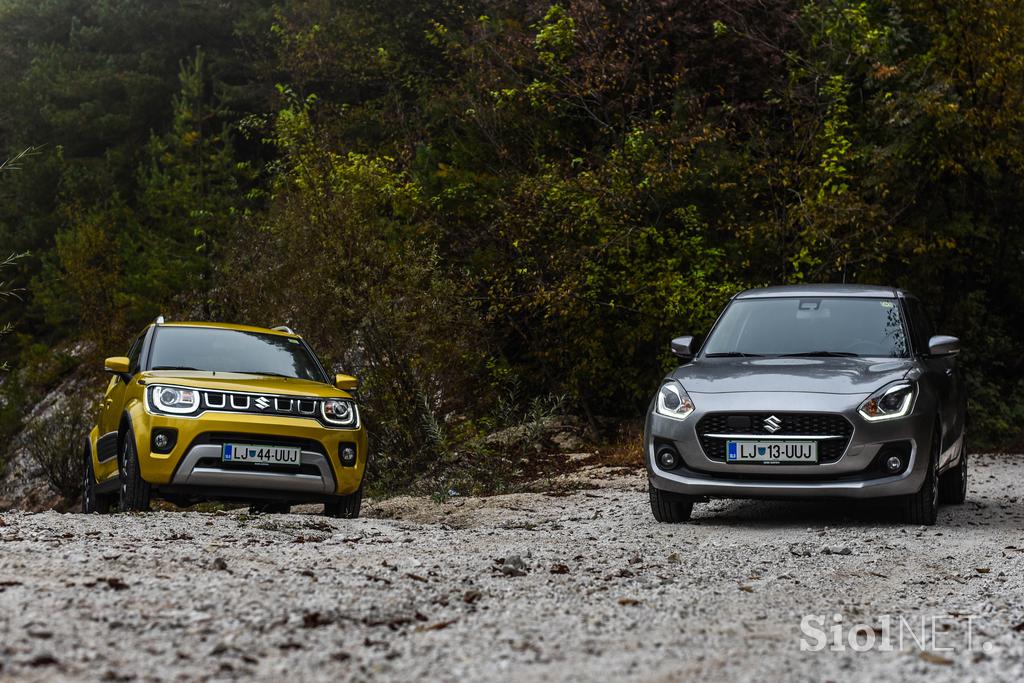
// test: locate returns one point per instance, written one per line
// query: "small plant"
(56, 443)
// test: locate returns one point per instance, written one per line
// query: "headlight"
(337, 411)
(176, 400)
(889, 402)
(673, 401)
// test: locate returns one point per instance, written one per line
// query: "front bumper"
(195, 461)
(853, 475)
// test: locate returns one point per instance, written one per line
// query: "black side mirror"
(943, 345)
(683, 346)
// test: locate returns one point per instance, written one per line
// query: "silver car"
(811, 391)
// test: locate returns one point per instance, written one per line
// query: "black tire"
(923, 507)
(953, 484)
(93, 502)
(345, 507)
(270, 507)
(671, 508)
(135, 490)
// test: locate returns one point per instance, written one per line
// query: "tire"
(953, 484)
(135, 490)
(270, 507)
(923, 507)
(671, 508)
(345, 507)
(93, 502)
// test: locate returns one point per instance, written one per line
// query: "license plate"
(264, 455)
(772, 452)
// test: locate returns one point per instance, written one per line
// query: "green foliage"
(453, 199)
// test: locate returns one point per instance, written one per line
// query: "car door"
(113, 405)
(941, 374)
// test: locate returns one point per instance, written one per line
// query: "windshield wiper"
(732, 354)
(832, 354)
(174, 367)
(262, 372)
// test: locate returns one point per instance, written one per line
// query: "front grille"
(793, 424)
(260, 404)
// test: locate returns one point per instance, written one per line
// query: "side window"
(135, 354)
(921, 326)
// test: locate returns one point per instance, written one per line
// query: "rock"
(514, 566)
(835, 550)
(800, 549)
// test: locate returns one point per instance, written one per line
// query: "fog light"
(348, 456)
(163, 440)
(893, 463)
(668, 459)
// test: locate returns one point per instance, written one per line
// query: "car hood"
(812, 375)
(239, 381)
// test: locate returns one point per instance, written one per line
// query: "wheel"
(953, 484)
(923, 507)
(134, 489)
(669, 507)
(92, 500)
(345, 507)
(270, 507)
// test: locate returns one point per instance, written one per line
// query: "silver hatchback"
(811, 391)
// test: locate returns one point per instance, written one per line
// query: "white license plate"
(265, 455)
(772, 452)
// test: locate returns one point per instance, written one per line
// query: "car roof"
(868, 291)
(230, 326)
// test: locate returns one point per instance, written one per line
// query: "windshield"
(840, 326)
(213, 349)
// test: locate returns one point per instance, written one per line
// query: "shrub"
(56, 443)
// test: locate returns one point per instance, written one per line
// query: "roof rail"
(159, 320)
(283, 328)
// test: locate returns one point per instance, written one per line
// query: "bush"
(56, 443)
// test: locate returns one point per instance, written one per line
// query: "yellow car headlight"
(173, 400)
(339, 412)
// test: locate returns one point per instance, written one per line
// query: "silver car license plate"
(772, 452)
(265, 455)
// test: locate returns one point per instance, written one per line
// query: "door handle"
(949, 372)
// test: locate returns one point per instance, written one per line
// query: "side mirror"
(346, 382)
(683, 346)
(117, 365)
(943, 345)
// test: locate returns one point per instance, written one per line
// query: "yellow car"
(203, 411)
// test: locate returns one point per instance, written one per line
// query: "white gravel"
(419, 590)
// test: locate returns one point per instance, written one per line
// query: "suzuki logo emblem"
(772, 424)
(262, 403)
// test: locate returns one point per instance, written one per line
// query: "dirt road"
(583, 586)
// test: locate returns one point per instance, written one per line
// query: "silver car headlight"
(173, 400)
(890, 402)
(673, 401)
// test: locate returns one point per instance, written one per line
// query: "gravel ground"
(583, 586)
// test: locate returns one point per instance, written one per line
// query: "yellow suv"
(203, 411)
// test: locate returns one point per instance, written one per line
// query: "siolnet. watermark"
(888, 633)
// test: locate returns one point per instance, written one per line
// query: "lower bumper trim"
(192, 473)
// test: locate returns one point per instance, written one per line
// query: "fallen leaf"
(982, 570)
(934, 658)
(559, 569)
(439, 626)
(628, 602)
